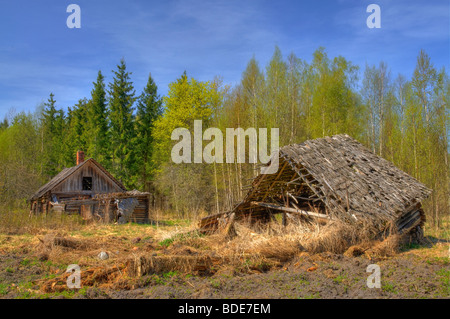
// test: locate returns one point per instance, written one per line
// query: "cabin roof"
(66, 172)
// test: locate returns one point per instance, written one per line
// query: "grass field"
(172, 260)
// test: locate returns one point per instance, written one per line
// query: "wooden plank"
(79, 202)
(291, 210)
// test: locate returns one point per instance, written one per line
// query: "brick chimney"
(80, 157)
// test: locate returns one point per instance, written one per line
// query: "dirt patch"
(334, 276)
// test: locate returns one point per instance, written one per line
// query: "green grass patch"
(215, 283)
(438, 261)
(179, 238)
(170, 274)
(389, 287)
(29, 262)
(166, 242)
(340, 278)
(10, 270)
(411, 246)
(26, 285)
(444, 275)
(3, 289)
(24, 295)
(312, 296)
(176, 222)
(87, 233)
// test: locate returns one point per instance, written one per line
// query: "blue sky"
(39, 54)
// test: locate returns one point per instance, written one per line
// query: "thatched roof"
(340, 176)
(66, 172)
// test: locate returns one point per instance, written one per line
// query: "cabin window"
(87, 183)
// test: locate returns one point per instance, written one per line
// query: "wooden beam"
(275, 180)
(79, 202)
(291, 210)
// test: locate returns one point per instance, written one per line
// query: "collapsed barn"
(90, 190)
(332, 178)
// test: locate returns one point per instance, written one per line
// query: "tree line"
(403, 120)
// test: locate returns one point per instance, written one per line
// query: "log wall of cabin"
(107, 209)
(140, 213)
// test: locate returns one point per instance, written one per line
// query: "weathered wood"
(279, 173)
(342, 177)
(80, 202)
(291, 210)
(57, 207)
(228, 230)
(293, 197)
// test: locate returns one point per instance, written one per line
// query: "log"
(79, 202)
(292, 210)
(228, 230)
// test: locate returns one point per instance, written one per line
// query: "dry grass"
(136, 250)
(16, 222)
(260, 246)
(251, 242)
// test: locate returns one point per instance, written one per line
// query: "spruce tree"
(52, 125)
(98, 123)
(121, 100)
(149, 108)
(77, 132)
(49, 115)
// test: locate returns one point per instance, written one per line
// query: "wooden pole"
(291, 210)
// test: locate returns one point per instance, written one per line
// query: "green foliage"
(20, 172)
(121, 100)
(97, 124)
(406, 121)
(77, 133)
(149, 109)
(52, 136)
(334, 108)
(4, 125)
(187, 100)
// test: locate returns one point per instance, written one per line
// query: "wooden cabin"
(82, 189)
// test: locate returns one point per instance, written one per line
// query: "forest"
(404, 120)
